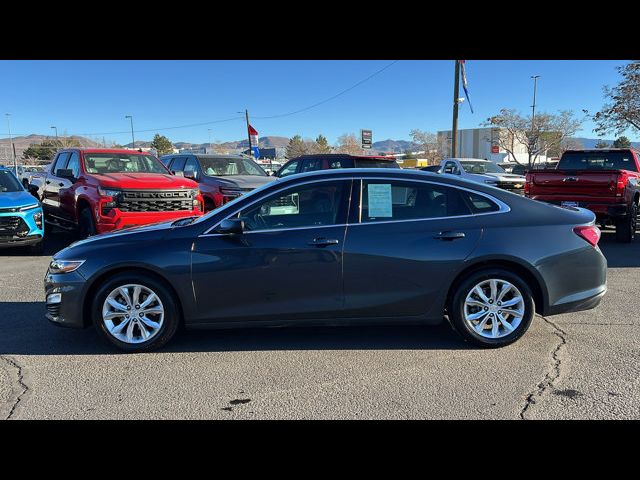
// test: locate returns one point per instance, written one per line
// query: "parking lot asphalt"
(582, 365)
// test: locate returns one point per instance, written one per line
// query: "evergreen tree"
(296, 147)
(161, 144)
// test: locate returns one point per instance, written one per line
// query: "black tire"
(626, 227)
(86, 224)
(462, 289)
(171, 311)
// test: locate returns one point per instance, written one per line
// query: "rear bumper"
(602, 210)
(589, 301)
(117, 220)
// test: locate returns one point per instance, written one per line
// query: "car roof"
(469, 159)
(125, 151)
(343, 155)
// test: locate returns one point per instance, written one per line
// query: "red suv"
(99, 190)
(327, 161)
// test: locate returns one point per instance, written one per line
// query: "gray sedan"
(344, 246)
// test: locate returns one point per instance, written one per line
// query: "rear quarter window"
(480, 203)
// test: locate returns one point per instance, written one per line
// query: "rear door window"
(480, 203)
(384, 200)
(311, 164)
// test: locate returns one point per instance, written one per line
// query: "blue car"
(21, 222)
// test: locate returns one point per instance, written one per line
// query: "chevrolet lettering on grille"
(147, 195)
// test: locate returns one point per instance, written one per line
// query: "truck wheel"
(626, 227)
(86, 224)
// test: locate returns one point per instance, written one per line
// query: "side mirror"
(65, 173)
(191, 174)
(448, 170)
(177, 173)
(33, 189)
(231, 225)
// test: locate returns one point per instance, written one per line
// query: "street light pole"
(13, 150)
(56, 129)
(533, 115)
(456, 94)
(246, 116)
(133, 140)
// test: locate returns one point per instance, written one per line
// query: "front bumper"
(19, 228)
(64, 295)
(117, 220)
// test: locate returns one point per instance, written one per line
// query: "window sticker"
(379, 196)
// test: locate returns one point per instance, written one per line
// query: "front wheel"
(86, 224)
(492, 308)
(135, 312)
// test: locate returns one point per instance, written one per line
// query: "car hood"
(142, 181)
(247, 181)
(154, 231)
(16, 199)
(506, 177)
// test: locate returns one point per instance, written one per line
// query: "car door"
(287, 263)
(403, 246)
(67, 188)
(52, 185)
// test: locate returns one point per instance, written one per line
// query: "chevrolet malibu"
(346, 246)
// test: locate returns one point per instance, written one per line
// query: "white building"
(484, 143)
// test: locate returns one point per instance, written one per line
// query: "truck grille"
(13, 226)
(510, 185)
(155, 201)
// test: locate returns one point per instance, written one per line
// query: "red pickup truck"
(99, 190)
(603, 181)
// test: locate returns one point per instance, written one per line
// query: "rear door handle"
(449, 235)
(323, 242)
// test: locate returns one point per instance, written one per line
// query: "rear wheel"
(626, 227)
(492, 308)
(135, 312)
(86, 223)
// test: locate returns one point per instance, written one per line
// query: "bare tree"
(348, 143)
(428, 143)
(623, 108)
(547, 133)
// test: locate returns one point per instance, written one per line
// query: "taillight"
(623, 179)
(527, 184)
(590, 233)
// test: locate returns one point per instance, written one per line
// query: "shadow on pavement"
(25, 331)
(53, 242)
(620, 255)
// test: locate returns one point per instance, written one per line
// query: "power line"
(330, 98)
(237, 118)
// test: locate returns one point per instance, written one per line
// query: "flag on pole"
(253, 135)
(464, 83)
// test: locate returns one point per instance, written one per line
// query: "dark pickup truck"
(604, 181)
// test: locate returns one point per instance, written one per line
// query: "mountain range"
(21, 143)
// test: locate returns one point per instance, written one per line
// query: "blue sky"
(93, 97)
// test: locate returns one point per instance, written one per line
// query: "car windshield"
(481, 167)
(225, 167)
(597, 161)
(122, 163)
(8, 182)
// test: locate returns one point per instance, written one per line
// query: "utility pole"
(533, 116)
(456, 93)
(13, 150)
(133, 140)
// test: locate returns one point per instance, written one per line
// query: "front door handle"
(323, 242)
(449, 235)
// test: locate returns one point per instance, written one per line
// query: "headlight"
(37, 217)
(108, 192)
(64, 266)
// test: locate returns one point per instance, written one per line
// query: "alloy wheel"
(494, 308)
(133, 313)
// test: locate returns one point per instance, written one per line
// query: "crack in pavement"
(552, 375)
(23, 385)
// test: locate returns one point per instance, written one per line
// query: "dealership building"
(483, 143)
